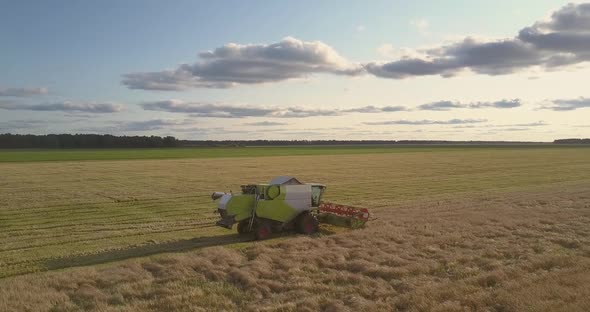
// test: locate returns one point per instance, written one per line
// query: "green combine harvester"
(283, 204)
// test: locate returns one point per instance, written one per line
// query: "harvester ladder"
(251, 223)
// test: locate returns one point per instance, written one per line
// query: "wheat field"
(483, 229)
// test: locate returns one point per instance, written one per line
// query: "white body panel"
(223, 201)
(284, 180)
(298, 197)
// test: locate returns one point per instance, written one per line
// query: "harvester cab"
(283, 204)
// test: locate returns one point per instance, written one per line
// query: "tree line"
(572, 141)
(83, 141)
(110, 141)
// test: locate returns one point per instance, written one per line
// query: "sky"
(305, 70)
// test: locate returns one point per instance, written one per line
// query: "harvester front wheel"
(244, 226)
(262, 230)
(306, 224)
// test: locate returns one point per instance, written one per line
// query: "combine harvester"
(283, 204)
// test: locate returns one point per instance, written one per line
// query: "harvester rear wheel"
(243, 226)
(262, 230)
(306, 224)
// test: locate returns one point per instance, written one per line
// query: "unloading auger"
(283, 204)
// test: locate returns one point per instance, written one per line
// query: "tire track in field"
(100, 228)
(91, 239)
(107, 213)
(43, 231)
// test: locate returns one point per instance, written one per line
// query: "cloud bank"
(154, 124)
(23, 92)
(65, 106)
(426, 122)
(233, 111)
(196, 109)
(448, 105)
(265, 124)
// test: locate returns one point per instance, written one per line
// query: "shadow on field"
(145, 250)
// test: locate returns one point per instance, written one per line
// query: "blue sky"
(346, 69)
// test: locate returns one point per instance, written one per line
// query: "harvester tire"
(306, 224)
(262, 230)
(243, 226)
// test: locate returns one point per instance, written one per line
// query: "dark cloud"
(306, 133)
(22, 92)
(530, 124)
(513, 129)
(235, 64)
(562, 40)
(235, 111)
(196, 109)
(300, 112)
(566, 32)
(206, 110)
(427, 122)
(265, 124)
(65, 106)
(375, 109)
(498, 104)
(569, 105)
(491, 58)
(441, 106)
(571, 17)
(155, 124)
(448, 105)
(168, 80)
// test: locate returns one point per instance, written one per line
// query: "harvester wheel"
(306, 224)
(243, 226)
(262, 230)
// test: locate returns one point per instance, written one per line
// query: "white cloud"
(235, 64)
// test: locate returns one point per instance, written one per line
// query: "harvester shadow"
(145, 250)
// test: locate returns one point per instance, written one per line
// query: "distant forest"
(84, 141)
(572, 141)
(110, 141)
